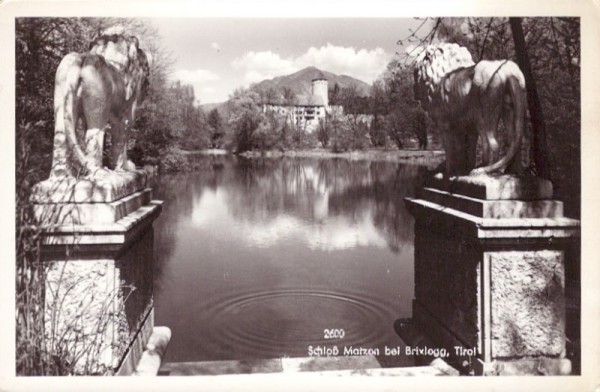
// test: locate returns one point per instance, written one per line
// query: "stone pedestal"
(489, 273)
(97, 243)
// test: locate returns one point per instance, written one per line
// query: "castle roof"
(310, 100)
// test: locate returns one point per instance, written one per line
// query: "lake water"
(255, 258)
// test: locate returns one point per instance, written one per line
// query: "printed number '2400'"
(334, 333)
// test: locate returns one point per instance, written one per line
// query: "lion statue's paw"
(91, 167)
(97, 173)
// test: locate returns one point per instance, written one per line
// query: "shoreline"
(427, 157)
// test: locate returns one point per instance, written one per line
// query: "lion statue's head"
(123, 52)
(432, 64)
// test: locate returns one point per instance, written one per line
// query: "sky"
(218, 55)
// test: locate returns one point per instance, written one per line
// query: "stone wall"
(490, 273)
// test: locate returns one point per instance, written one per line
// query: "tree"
(323, 131)
(187, 122)
(377, 131)
(269, 95)
(353, 102)
(420, 126)
(334, 94)
(245, 115)
(338, 131)
(215, 122)
(289, 96)
(539, 145)
(271, 132)
(379, 101)
(394, 106)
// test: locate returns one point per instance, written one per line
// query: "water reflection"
(328, 202)
(311, 225)
(257, 256)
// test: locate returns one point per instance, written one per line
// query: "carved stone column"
(489, 273)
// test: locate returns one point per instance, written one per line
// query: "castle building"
(308, 109)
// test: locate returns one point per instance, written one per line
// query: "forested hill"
(300, 81)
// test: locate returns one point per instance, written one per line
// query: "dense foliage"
(249, 127)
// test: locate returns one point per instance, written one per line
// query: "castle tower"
(319, 87)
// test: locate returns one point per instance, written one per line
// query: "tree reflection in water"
(317, 189)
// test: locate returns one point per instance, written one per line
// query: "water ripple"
(276, 323)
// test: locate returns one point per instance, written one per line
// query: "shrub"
(173, 161)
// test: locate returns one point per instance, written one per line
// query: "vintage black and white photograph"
(340, 197)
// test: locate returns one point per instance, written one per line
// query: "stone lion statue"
(467, 101)
(97, 93)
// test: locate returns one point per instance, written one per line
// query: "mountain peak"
(300, 81)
